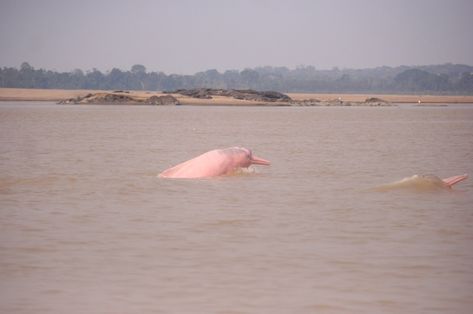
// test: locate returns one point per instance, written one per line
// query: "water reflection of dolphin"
(423, 183)
(214, 163)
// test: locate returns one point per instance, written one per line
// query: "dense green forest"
(435, 79)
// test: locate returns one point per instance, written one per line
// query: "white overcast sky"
(185, 37)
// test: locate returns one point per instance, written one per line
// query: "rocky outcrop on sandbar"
(306, 102)
(374, 101)
(166, 100)
(121, 98)
(338, 102)
(246, 94)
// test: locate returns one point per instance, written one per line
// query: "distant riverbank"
(21, 94)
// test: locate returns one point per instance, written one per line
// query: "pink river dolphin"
(424, 183)
(217, 162)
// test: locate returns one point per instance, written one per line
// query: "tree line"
(436, 79)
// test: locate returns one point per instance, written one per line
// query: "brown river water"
(86, 226)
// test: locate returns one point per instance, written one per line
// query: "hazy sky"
(188, 36)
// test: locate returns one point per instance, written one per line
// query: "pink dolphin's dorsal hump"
(217, 162)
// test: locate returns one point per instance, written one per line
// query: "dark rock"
(374, 99)
(207, 93)
(112, 98)
(306, 102)
(162, 100)
(100, 98)
(119, 98)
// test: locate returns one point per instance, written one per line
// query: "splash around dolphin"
(217, 162)
(423, 183)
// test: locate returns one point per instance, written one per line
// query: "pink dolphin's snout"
(455, 179)
(259, 161)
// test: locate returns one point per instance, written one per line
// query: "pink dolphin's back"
(214, 163)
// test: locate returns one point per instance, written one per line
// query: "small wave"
(243, 171)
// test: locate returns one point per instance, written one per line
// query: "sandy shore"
(26, 94)
(22, 94)
(387, 97)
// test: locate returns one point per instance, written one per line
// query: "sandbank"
(24, 94)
